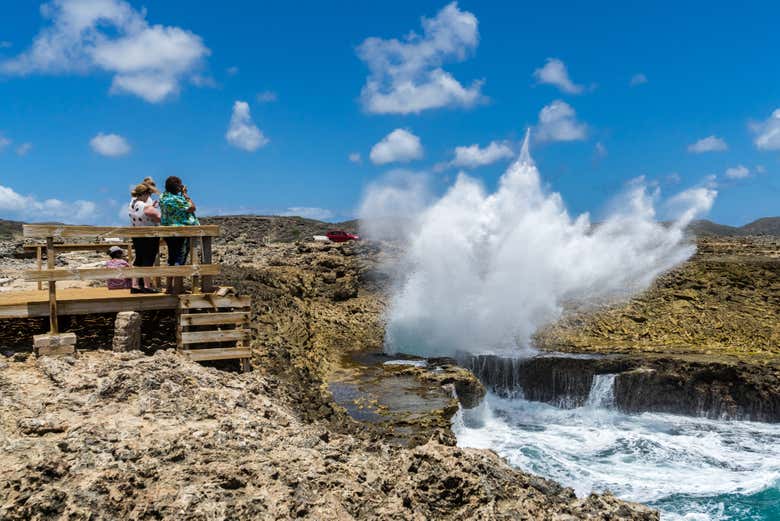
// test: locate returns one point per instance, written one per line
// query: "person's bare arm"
(191, 209)
(153, 213)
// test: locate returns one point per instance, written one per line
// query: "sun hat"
(114, 249)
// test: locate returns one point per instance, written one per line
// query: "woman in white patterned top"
(143, 211)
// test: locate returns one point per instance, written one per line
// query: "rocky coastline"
(306, 434)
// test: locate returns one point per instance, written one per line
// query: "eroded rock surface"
(125, 435)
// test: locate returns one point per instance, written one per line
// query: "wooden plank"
(53, 325)
(49, 340)
(120, 273)
(82, 301)
(198, 355)
(206, 301)
(42, 231)
(104, 246)
(39, 263)
(207, 283)
(203, 337)
(214, 319)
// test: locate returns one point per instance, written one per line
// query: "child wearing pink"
(117, 262)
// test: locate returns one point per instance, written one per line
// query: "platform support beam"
(50, 257)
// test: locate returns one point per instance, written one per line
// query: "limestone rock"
(127, 331)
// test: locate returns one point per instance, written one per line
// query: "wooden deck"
(81, 301)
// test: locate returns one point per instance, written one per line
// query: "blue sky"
(97, 94)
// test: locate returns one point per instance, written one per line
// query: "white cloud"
(232, 71)
(28, 207)
(708, 144)
(558, 122)
(23, 149)
(601, 150)
(673, 178)
(768, 132)
(737, 172)
(243, 133)
(149, 61)
(4, 142)
(638, 79)
(473, 156)
(5, 44)
(111, 145)
(554, 73)
(398, 146)
(319, 214)
(406, 75)
(354, 157)
(761, 169)
(267, 96)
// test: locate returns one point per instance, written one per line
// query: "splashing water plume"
(483, 271)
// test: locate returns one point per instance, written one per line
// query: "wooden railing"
(200, 267)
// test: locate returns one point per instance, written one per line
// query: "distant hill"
(9, 229)
(276, 228)
(763, 226)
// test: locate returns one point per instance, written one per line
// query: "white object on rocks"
(127, 331)
(323, 238)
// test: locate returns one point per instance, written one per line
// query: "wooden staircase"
(215, 326)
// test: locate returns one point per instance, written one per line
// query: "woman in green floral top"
(177, 209)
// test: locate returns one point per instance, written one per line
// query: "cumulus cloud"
(554, 72)
(638, 79)
(737, 172)
(28, 207)
(243, 133)
(267, 96)
(149, 61)
(354, 157)
(708, 144)
(398, 146)
(473, 156)
(600, 150)
(232, 71)
(320, 214)
(4, 142)
(406, 75)
(558, 122)
(23, 149)
(111, 145)
(768, 132)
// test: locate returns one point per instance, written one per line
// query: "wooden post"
(50, 256)
(39, 256)
(158, 280)
(194, 261)
(207, 284)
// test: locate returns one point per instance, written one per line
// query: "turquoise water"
(691, 469)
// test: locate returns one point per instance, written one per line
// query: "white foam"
(482, 271)
(646, 458)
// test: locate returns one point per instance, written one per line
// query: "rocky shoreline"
(107, 435)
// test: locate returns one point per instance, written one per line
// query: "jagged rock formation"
(124, 435)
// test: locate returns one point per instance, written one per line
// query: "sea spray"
(482, 271)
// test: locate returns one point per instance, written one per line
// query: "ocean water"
(692, 469)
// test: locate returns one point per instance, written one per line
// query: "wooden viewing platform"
(212, 324)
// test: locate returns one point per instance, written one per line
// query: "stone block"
(55, 344)
(127, 331)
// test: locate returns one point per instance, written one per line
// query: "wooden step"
(203, 337)
(213, 319)
(209, 301)
(227, 353)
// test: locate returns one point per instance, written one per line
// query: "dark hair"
(116, 254)
(173, 185)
